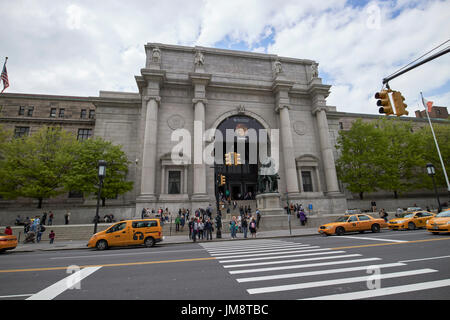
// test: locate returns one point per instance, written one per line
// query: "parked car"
(353, 223)
(411, 221)
(7, 242)
(128, 232)
(439, 223)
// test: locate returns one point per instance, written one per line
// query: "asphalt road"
(391, 265)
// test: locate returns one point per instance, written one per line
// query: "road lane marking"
(385, 291)
(424, 259)
(289, 261)
(267, 253)
(298, 286)
(109, 265)
(281, 257)
(15, 296)
(264, 248)
(59, 287)
(374, 238)
(389, 244)
(300, 266)
(318, 272)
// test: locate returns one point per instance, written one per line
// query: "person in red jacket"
(8, 231)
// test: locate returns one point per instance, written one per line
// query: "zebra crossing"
(267, 266)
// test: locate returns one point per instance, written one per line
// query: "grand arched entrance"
(244, 135)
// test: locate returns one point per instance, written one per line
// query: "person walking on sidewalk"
(244, 225)
(208, 229)
(50, 218)
(253, 227)
(51, 236)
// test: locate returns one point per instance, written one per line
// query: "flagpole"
(4, 64)
(437, 146)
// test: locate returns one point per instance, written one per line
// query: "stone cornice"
(316, 87)
(200, 78)
(52, 121)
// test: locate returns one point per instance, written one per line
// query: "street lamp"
(101, 176)
(431, 172)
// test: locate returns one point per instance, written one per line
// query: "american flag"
(4, 77)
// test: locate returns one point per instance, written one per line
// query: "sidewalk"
(174, 239)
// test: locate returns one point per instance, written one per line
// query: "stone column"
(327, 151)
(288, 155)
(199, 190)
(148, 176)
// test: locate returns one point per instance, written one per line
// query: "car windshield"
(409, 215)
(342, 219)
(443, 214)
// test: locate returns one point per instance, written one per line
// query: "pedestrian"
(39, 231)
(201, 227)
(191, 227)
(374, 206)
(253, 227)
(50, 218)
(302, 218)
(182, 222)
(177, 223)
(195, 226)
(8, 231)
(233, 227)
(44, 218)
(67, 217)
(244, 226)
(208, 229)
(258, 218)
(143, 213)
(52, 236)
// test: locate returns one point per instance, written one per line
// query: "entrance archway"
(241, 134)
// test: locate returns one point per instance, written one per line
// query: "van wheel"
(340, 231)
(149, 242)
(375, 228)
(101, 245)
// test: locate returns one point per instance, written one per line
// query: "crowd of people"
(34, 228)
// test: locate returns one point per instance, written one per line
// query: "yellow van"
(128, 232)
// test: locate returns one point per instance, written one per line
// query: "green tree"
(401, 156)
(37, 166)
(358, 165)
(429, 154)
(84, 176)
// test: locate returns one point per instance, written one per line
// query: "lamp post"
(101, 176)
(431, 172)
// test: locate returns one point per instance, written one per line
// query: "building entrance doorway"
(241, 180)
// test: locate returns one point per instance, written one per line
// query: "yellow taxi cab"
(411, 221)
(7, 242)
(439, 223)
(128, 232)
(352, 223)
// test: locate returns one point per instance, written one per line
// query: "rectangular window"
(83, 114)
(84, 134)
(174, 182)
(91, 114)
(21, 131)
(30, 111)
(307, 181)
(53, 113)
(61, 112)
(21, 110)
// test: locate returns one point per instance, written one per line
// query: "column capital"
(148, 98)
(202, 100)
(281, 106)
(317, 109)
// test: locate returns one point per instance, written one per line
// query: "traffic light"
(384, 103)
(400, 106)
(228, 159)
(237, 158)
(221, 180)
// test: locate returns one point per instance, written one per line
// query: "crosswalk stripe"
(283, 256)
(269, 247)
(290, 261)
(318, 272)
(298, 286)
(264, 252)
(385, 291)
(237, 243)
(300, 266)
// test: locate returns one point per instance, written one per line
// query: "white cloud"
(79, 48)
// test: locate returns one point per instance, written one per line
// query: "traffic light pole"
(437, 55)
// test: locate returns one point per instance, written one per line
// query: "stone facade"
(182, 85)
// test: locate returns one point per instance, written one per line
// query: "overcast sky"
(81, 47)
